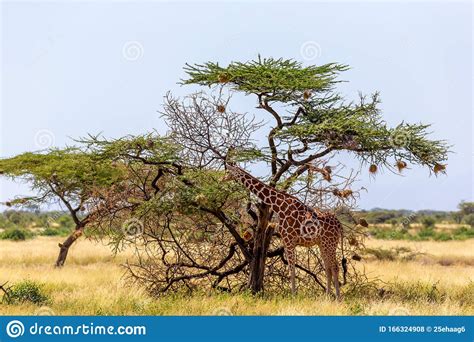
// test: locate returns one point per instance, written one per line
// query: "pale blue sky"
(64, 70)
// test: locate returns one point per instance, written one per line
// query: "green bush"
(428, 221)
(393, 221)
(61, 231)
(442, 236)
(463, 233)
(418, 292)
(16, 234)
(27, 291)
(390, 234)
(426, 233)
(50, 232)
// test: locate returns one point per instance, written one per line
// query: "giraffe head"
(230, 166)
(232, 171)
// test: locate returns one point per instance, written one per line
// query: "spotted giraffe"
(298, 225)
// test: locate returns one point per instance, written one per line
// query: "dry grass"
(91, 283)
(445, 248)
(433, 253)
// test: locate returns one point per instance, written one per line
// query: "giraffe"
(298, 225)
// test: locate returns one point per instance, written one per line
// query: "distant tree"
(469, 219)
(428, 221)
(466, 208)
(457, 216)
(393, 221)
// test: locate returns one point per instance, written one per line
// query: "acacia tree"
(311, 124)
(69, 177)
(197, 228)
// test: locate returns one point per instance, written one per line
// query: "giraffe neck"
(265, 193)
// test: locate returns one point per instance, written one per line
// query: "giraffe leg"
(290, 257)
(328, 279)
(335, 274)
(328, 260)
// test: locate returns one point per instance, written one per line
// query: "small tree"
(67, 177)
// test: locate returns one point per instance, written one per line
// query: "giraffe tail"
(344, 270)
(344, 260)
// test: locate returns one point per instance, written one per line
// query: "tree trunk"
(64, 247)
(262, 239)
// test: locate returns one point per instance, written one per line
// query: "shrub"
(393, 221)
(463, 233)
(61, 231)
(389, 234)
(428, 221)
(381, 254)
(397, 253)
(426, 233)
(418, 292)
(16, 234)
(442, 236)
(27, 291)
(50, 232)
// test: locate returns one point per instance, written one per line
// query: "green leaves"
(150, 147)
(208, 191)
(360, 128)
(70, 168)
(319, 118)
(276, 79)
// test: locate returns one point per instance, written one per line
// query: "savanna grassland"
(421, 278)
